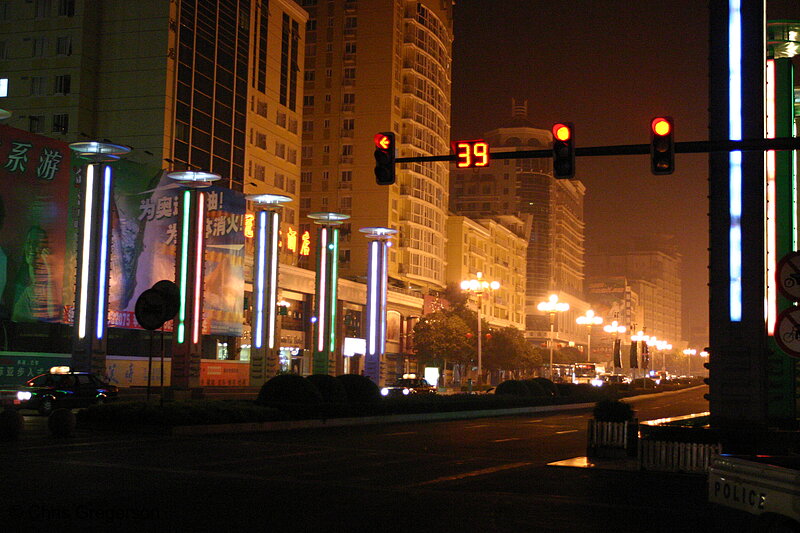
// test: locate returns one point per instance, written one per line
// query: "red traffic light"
(382, 141)
(661, 126)
(562, 132)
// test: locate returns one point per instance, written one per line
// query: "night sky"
(609, 67)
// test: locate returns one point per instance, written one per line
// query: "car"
(61, 387)
(610, 379)
(407, 386)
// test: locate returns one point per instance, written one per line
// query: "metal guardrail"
(666, 456)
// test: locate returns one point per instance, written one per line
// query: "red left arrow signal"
(382, 141)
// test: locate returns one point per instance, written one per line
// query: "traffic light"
(384, 158)
(662, 146)
(563, 151)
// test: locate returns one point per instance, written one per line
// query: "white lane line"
(568, 431)
(400, 433)
(477, 426)
(481, 472)
(505, 440)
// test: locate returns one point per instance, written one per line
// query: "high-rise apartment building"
(553, 208)
(652, 267)
(200, 84)
(371, 66)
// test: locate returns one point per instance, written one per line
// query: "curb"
(257, 427)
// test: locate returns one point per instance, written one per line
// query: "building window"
(37, 86)
(306, 177)
(350, 73)
(261, 109)
(62, 85)
(280, 150)
(308, 100)
(308, 126)
(260, 172)
(305, 203)
(36, 123)
(346, 176)
(347, 149)
(279, 180)
(42, 9)
(350, 47)
(64, 46)
(3, 49)
(66, 8)
(280, 119)
(39, 44)
(261, 141)
(291, 185)
(348, 124)
(309, 75)
(350, 22)
(311, 25)
(349, 98)
(307, 152)
(291, 155)
(61, 123)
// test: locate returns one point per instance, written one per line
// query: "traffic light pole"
(689, 147)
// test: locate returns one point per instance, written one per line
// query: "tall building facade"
(552, 208)
(197, 84)
(371, 66)
(652, 267)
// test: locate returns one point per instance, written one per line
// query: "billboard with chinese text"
(34, 183)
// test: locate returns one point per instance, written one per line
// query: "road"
(470, 475)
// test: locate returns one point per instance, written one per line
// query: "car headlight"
(23, 396)
(406, 392)
(597, 382)
(384, 391)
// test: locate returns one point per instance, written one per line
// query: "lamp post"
(589, 320)
(478, 286)
(689, 352)
(616, 329)
(637, 338)
(552, 306)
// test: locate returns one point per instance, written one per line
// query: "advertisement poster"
(144, 241)
(34, 183)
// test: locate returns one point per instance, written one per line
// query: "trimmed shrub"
(536, 389)
(11, 423)
(612, 411)
(290, 388)
(513, 387)
(331, 388)
(359, 389)
(547, 385)
(61, 423)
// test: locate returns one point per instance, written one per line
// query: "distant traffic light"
(563, 151)
(662, 146)
(384, 158)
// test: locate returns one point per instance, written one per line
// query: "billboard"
(34, 183)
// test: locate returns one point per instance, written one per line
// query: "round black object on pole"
(170, 292)
(151, 308)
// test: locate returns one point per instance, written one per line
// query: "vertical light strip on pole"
(260, 275)
(372, 297)
(183, 271)
(334, 251)
(102, 263)
(197, 318)
(272, 301)
(86, 251)
(322, 293)
(771, 243)
(735, 157)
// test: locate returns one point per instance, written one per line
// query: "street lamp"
(689, 352)
(589, 320)
(478, 285)
(637, 338)
(616, 329)
(552, 306)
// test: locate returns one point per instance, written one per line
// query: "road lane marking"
(400, 433)
(474, 473)
(477, 426)
(567, 431)
(505, 440)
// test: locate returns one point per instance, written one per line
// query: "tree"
(507, 349)
(443, 335)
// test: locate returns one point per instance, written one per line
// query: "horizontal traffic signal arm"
(690, 147)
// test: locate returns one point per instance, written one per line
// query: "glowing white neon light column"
(272, 301)
(376, 299)
(183, 272)
(258, 339)
(771, 307)
(322, 296)
(102, 263)
(197, 316)
(735, 158)
(86, 251)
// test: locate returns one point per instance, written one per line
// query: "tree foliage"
(443, 335)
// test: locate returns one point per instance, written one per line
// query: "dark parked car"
(406, 386)
(63, 388)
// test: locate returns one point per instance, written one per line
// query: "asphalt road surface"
(487, 474)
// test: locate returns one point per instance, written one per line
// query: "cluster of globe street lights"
(551, 307)
(589, 320)
(478, 286)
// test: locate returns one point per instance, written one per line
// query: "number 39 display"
(470, 154)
